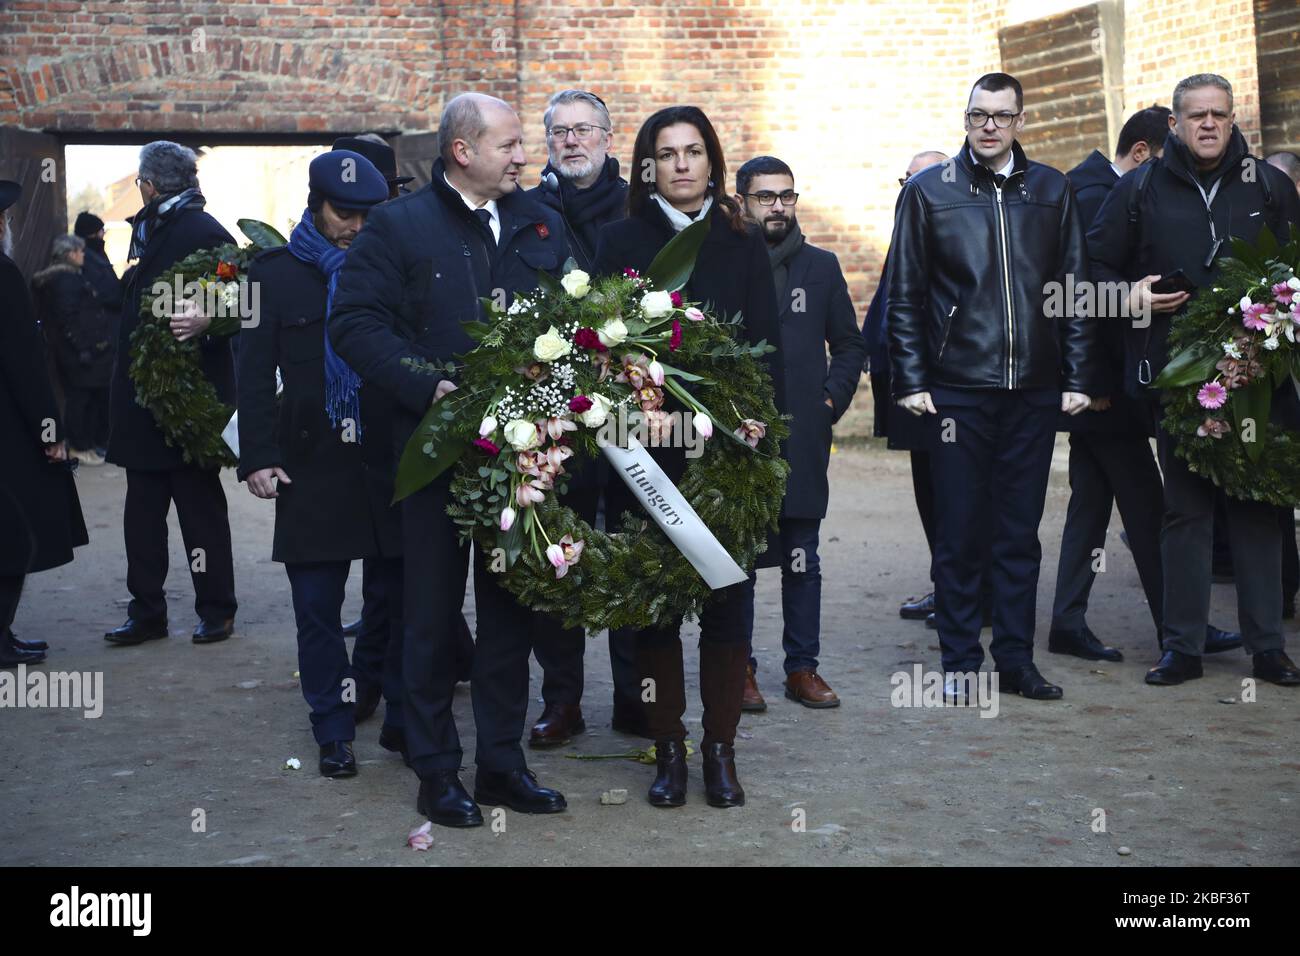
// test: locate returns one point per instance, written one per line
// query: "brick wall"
(844, 90)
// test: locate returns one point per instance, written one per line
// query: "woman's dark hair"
(641, 178)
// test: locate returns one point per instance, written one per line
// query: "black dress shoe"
(137, 632)
(1276, 668)
(917, 609)
(337, 760)
(446, 802)
(210, 632)
(368, 697)
(1217, 640)
(1174, 667)
(393, 739)
(11, 656)
(1027, 682)
(669, 788)
(1082, 643)
(353, 629)
(26, 645)
(518, 790)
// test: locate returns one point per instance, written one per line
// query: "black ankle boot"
(721, 785)
(669, 788)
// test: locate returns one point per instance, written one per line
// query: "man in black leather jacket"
(980, 243)
(1176, 214)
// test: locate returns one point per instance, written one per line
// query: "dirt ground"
(1184, 775)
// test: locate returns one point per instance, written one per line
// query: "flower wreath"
(1238, 343)
(168, 374)
(541, 392)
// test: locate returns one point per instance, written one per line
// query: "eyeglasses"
(582, 131)
(977, 118)
(767, 198)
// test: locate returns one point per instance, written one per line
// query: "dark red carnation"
(675, 342)
(579, 403)
(631, 273)
(586, 338)
(676, 298)
(487, 446)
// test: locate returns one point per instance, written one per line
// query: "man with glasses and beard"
(815, 312)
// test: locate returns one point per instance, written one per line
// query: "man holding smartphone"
(1162, 229)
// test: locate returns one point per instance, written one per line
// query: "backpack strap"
(1138, 191)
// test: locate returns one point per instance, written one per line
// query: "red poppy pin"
(542, 231)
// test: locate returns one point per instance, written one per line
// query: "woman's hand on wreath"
(188, 321)
(262, 482)
(445, 388)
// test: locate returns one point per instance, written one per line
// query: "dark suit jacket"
(827, 318)
(336, 504)
(135, 441)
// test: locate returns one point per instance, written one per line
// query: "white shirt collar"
(1118, 172)
(490, 206)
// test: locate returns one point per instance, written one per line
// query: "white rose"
(577, 283)
(1271, 342)
(595, 416)
(656, 304)
(1294, 283)
(549, 345)
(522, 435)
(612, 332)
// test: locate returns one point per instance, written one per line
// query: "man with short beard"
(816, 312)
(582, 184)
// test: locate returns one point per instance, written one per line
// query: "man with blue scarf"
(322, 454)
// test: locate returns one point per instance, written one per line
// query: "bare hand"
(1072, 403)
(1099, 404)
(189, 321)
(919, 404)
(1142, 300)
(262, 482)
(445, 388)
(57, 452)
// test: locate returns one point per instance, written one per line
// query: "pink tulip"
(507, 518)
(694, 314)
(555, 554)
(703, 424)
(656, 373)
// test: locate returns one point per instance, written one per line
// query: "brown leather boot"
(723, 669)
(661, 661)
(751, 701)
(669, 788)
(558, 723)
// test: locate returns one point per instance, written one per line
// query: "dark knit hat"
(87, 225)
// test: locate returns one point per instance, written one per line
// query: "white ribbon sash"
(659, 496)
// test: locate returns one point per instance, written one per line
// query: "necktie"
(999, 179)
(485, 217)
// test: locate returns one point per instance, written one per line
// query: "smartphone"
(1174, 282)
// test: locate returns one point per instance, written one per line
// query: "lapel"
(800, 262)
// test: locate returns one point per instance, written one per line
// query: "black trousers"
(11, 590)
(991, 454)
(923, 492)
(377, 652)
(436, 568)
(205, 528)
(1186, 548)
(1105, 470)
(86, 417)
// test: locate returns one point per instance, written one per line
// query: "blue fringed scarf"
(342, 385)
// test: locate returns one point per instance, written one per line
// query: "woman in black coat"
(81, 331)
(40, 514)
(732, 274)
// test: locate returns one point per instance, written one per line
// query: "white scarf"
(676, 217)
